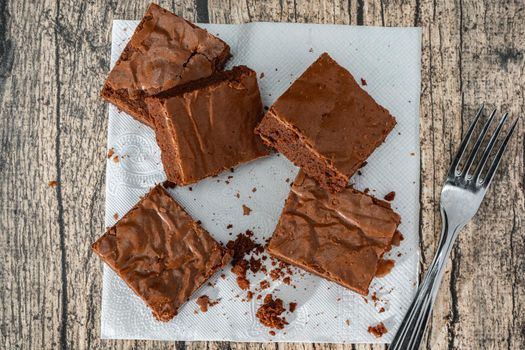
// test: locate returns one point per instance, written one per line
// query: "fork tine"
(464, 143)
(497, 159)
(489, 147)
(475, 149)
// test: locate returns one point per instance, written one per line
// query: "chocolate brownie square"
(339, 236)
(209, 128)
(326, 124)
(164, 52)
(161, 253)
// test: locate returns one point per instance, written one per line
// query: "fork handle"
(412, 329)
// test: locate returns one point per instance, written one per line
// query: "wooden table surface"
(54, 56)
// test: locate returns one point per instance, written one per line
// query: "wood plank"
(30, 273)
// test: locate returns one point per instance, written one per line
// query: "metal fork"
(461, 197)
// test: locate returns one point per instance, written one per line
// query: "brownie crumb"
(378, 330)
(287, 280)
(412, 154)
(240, 269)
(246, 210)
(241, 246)
(366, 190)
(261, 75)
(115, 216)
(272, 333)
(264, 284)
(397, 238)
(52, 183)
(269, 313)
(111, 152)
(292, 307)
(266, 108)
(116, 159)
(204, 303)
(249, 296)
(384, 267)
(223, 276)
(359, 172)
(390, 196)
(381, 310)
(287, 180)
(255, 265)
(363, 82)
(229, 226)
(311, 50)
(169, 184)
(238, 195)
(254, 189)
(347, 322)
(363, 164)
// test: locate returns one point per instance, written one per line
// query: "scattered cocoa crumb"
(115, 216)
(52, 183)
(262, 75)
(169, 184)
(381, 310)
(347, 322)
(378, 330)
(264, 284)
(272, 333)
(390, 196)
(238, 195)
(246, 210)
(311, 50)
(266, 108)
(190, 188)
(223, 276)
(276, 69)
(198, 222)
(232, 170)
(366, 190)
(412, 154)
(229, 226)
(249, 296)
(255, 265)
(269, 313)
(259, 297)
(399, 254)
(363, 82)
(365, 299)
(374, 297)
(359, 172)
(254, 189)
(111, 152)
(287, 280)
(204, 303)
(363, 164)
(116, 159)
(292, 307)
(287, 180)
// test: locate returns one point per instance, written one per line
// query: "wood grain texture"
(53, 58)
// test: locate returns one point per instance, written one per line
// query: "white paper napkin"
(389, 60)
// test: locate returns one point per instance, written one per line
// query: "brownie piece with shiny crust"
(164, 52)
(161, 253)
(326, 124)
(339, 236)
(209, 128)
